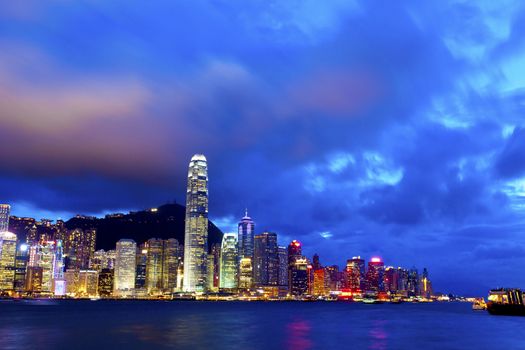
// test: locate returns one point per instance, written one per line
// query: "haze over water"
(252, 325)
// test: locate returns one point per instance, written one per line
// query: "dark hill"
(166, 222)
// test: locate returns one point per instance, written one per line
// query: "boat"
(479, 304)
(506, 301)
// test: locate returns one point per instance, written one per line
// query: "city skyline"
(389, 129)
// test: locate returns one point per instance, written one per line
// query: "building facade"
(229, 262)
(196, 226)
(124, 281)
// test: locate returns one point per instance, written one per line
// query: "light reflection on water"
(237, 325)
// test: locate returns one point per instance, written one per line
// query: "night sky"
(389, 128)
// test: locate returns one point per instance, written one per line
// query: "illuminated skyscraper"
(7, 260)
(79, 247)
(246, 229)
(4, 217)
(266, 260)
(229, 262)
(413, 282)
(355, 274)
(245, 273)
(299, 276)
(154, 266)
(105, 283)
(140, 270)
(375, 275)
(124, 282)
(294, 252)
(196, 226)
(283, 266)
(21, 261)
(170, 265)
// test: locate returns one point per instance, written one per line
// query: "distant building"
(413, 282)
(375, 275)
(5, 210)
(140, 267)
(266, 260)
(105, 283)
(124, 281)
(355, 274)
(196, 226)
(216, 252)
(229, 262)
(294, 252)
(210, 267)
(425, 285)
(245, 274)
(79, 247)
(320, 283)
(34, 279)
(21, 262)
(7, 261)
(282, 254)
(154, 265)
(88, 283)
(299, 276)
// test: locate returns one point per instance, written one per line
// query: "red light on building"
(376, 259)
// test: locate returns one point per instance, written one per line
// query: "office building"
(125, 265)
(229, 262)
(7, 261)
(196, 226)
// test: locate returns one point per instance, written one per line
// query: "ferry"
(479, 304)
(506, 301)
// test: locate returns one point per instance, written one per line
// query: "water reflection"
(378, 335)
(298, 332)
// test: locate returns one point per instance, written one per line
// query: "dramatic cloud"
(359, 127)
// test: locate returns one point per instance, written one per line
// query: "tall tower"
(196, 230)
(7, 260)
(229, 261)
(124, 278)
(4, 217)
(245, 235)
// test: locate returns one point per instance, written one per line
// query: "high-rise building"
(21, 261)
(320, 285)
(375, 275)
(196, 226)
(229, 262)
(425, 286)
(79, 247)
(124, 280)
(355, 274)
(154, 266)
(88, 283)
(294, 252)
(4, 217)
(245, 274)
(413, 282)
(105, 283)
(246, 230)
(140, 269)
(266, 260)
(210, 273)
(299, 276)
(216, 252)
(170, 264)
(34, 279)
(283, 266)
(7, 260)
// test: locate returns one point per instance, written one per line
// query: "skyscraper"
(299, 276)
(375, 275)
(355, 274)
(21, 260)
(266, 260)
(229, 262)
(246, 229)
(154, 266)
(283, 266)
(4, 217)
(7, 260)
(170, 265)
(196, 226)
(124, 280)
(294, 252)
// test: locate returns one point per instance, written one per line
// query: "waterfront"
(103, 324)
